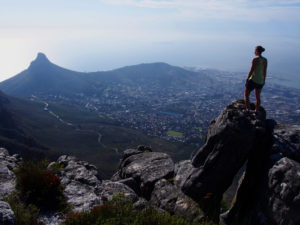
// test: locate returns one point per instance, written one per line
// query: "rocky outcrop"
(7, 216)
(147, 168)
(230, 139)
(7, 177)
(284, 192)
(155, 177)
(169, 197)
(81, 183)
(286, 141)
(110, 188)
(268, 191)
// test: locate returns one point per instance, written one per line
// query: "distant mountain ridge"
(42, 76)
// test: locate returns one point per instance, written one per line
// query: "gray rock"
(80, 171)
(110, 189)
(51, 218)
(130, 152)
(81, 183)
(147, 168)
(141, 204)
(230, 138)
(164, 195)
(81, 196)
(168, 197)
(284, 192)
(12, 162)
(7, 216)
(286, 142)
(182, 170)
(7, 180)
(7, 177)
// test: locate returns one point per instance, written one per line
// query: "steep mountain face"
(43, 77)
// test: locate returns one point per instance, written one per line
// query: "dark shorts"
(250, 86)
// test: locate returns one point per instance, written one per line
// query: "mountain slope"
(36, 129)
(12, 134)
(44, 77)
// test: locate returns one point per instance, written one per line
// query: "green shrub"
(40, 187)
(120, 211)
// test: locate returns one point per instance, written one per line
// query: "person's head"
(258, 50)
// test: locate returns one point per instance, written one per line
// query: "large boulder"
(7, 216)
(147, 168)
(164, 195)
(230, 138)
(168, 197)
(182, 170)
(109, 189)
(284, 192)
(81, 183)
(286, 141)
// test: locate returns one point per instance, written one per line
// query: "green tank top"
(257, 75)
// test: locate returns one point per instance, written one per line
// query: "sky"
(97, 35)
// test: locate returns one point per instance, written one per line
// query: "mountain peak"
(41, 60)
(41, 57)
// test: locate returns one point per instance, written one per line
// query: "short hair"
(260, 49)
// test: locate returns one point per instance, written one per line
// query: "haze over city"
(96, 35)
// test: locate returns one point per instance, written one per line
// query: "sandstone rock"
(230, 138)
(12, 162)
(7, 216)
(130, 152)
(80, 171)
(7, 180)
(168, 197)
(141, 204)
(147, 168)
(7, 177)
(182, 170)
(284, 192)
(81, 183)
(81, 196)
(164, 195)
(51, 218)
(109, 189)
(287, 141)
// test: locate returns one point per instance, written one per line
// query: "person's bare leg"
(246, 98)
(257, 96)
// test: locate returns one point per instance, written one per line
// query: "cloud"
(253, 10)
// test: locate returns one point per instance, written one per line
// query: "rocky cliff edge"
(268, 191)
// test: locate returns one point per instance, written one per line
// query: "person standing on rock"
(256, 77)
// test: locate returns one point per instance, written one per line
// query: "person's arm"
(265, 69)
(254, 63)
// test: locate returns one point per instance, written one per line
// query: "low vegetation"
(25, 213)
(120, 211)
(37, 190)
(39, 186)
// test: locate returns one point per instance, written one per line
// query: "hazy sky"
(93, 35)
